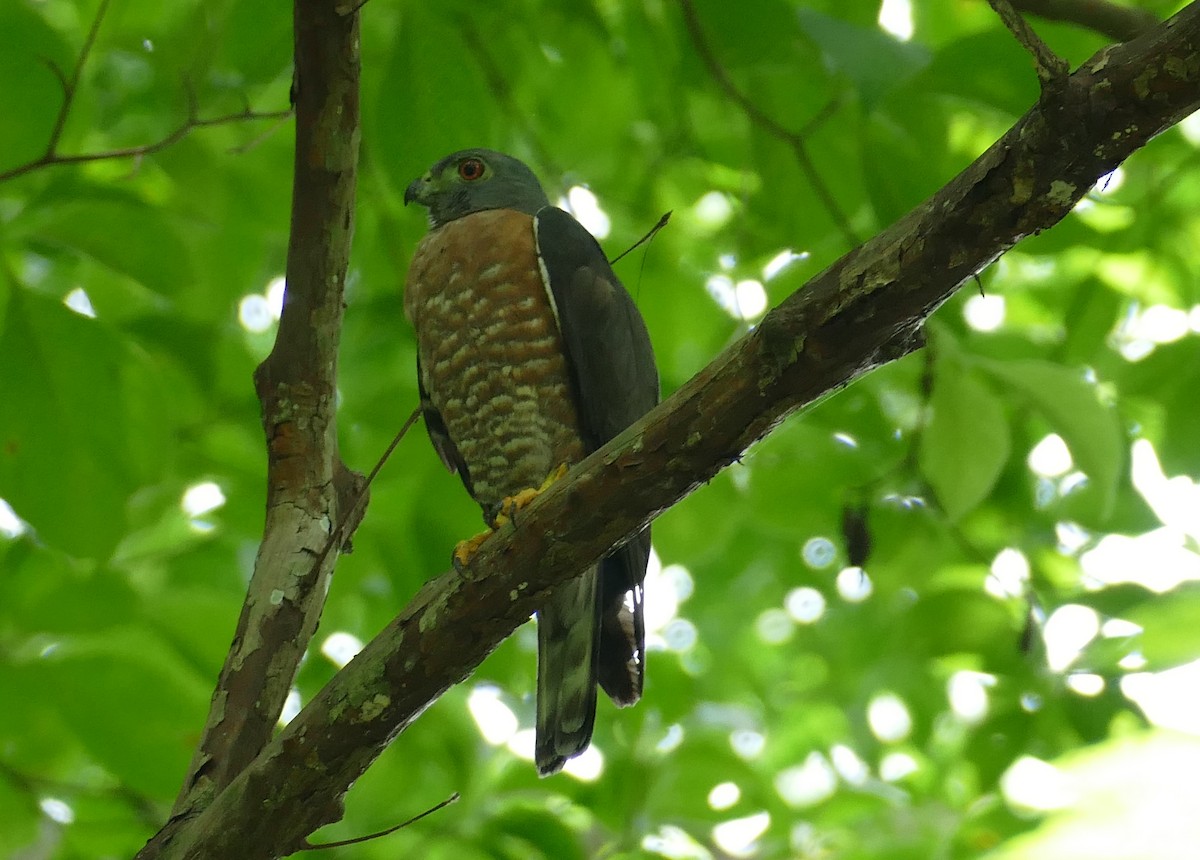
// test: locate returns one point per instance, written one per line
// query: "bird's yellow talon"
(519, 501)
(512, 504)
(466, 549)
(557, 475)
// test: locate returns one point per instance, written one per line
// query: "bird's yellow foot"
(466, 549)
(505, 513)
(511, 504)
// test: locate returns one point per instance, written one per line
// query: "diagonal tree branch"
(864, 310)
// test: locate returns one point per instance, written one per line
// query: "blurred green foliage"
(868, 714)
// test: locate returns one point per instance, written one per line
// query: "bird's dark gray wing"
(440, 436)
(608, 347)
(615, 382)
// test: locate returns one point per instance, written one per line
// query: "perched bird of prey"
(531, 355)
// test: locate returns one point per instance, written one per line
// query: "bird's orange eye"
(470, 169)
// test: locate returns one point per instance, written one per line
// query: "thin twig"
(1109, 19)
(349, 7)
(820, 118)
(502, 92)
(336, 536)
(71, 85)
(1050, 66)
(57, 72)
(767, 123)
(359, 839)
(662, 222)
(51, 158)
(253, 143)
(36, 786)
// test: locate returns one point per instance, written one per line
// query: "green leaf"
(118, 231)
(43, 591)
(1093, 312)
(105, 666)
(965, 68)
(198, 622)
(966, 442)
(899, 137)
(83, 434)
(1166, 382)
(874, 61)
(1129, 799)
(132, 701)
(27, 109)
(449, 98)
(748, 40)
(528, 829)
(1170, 627)
(1071, 404)
(958, 620)
(19, 819)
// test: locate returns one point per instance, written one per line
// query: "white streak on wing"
(537, 238)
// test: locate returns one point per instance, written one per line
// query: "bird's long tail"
(568, 649)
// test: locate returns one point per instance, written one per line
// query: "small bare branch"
(35, 787)
(1110, 19)
(795, 140)
(662, 222)
(360, 839)
(71, 85)
(57, 71)
(1050, 66)
(52, 158)
(502, 92)
(821, 117)
(193, 103)
(359, 496)
(280, 118)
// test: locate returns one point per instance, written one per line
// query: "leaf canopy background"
(879, 713)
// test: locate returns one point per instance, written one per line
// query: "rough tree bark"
(308, 487)
(864, 310)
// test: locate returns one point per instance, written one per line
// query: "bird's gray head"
(472, 180)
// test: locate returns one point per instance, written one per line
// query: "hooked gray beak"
(416, 190)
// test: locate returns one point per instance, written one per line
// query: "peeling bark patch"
(1141, 84)
(433, 613)
(373, 707)
(1176, 67)
(1022, 190)
(1061, 193)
